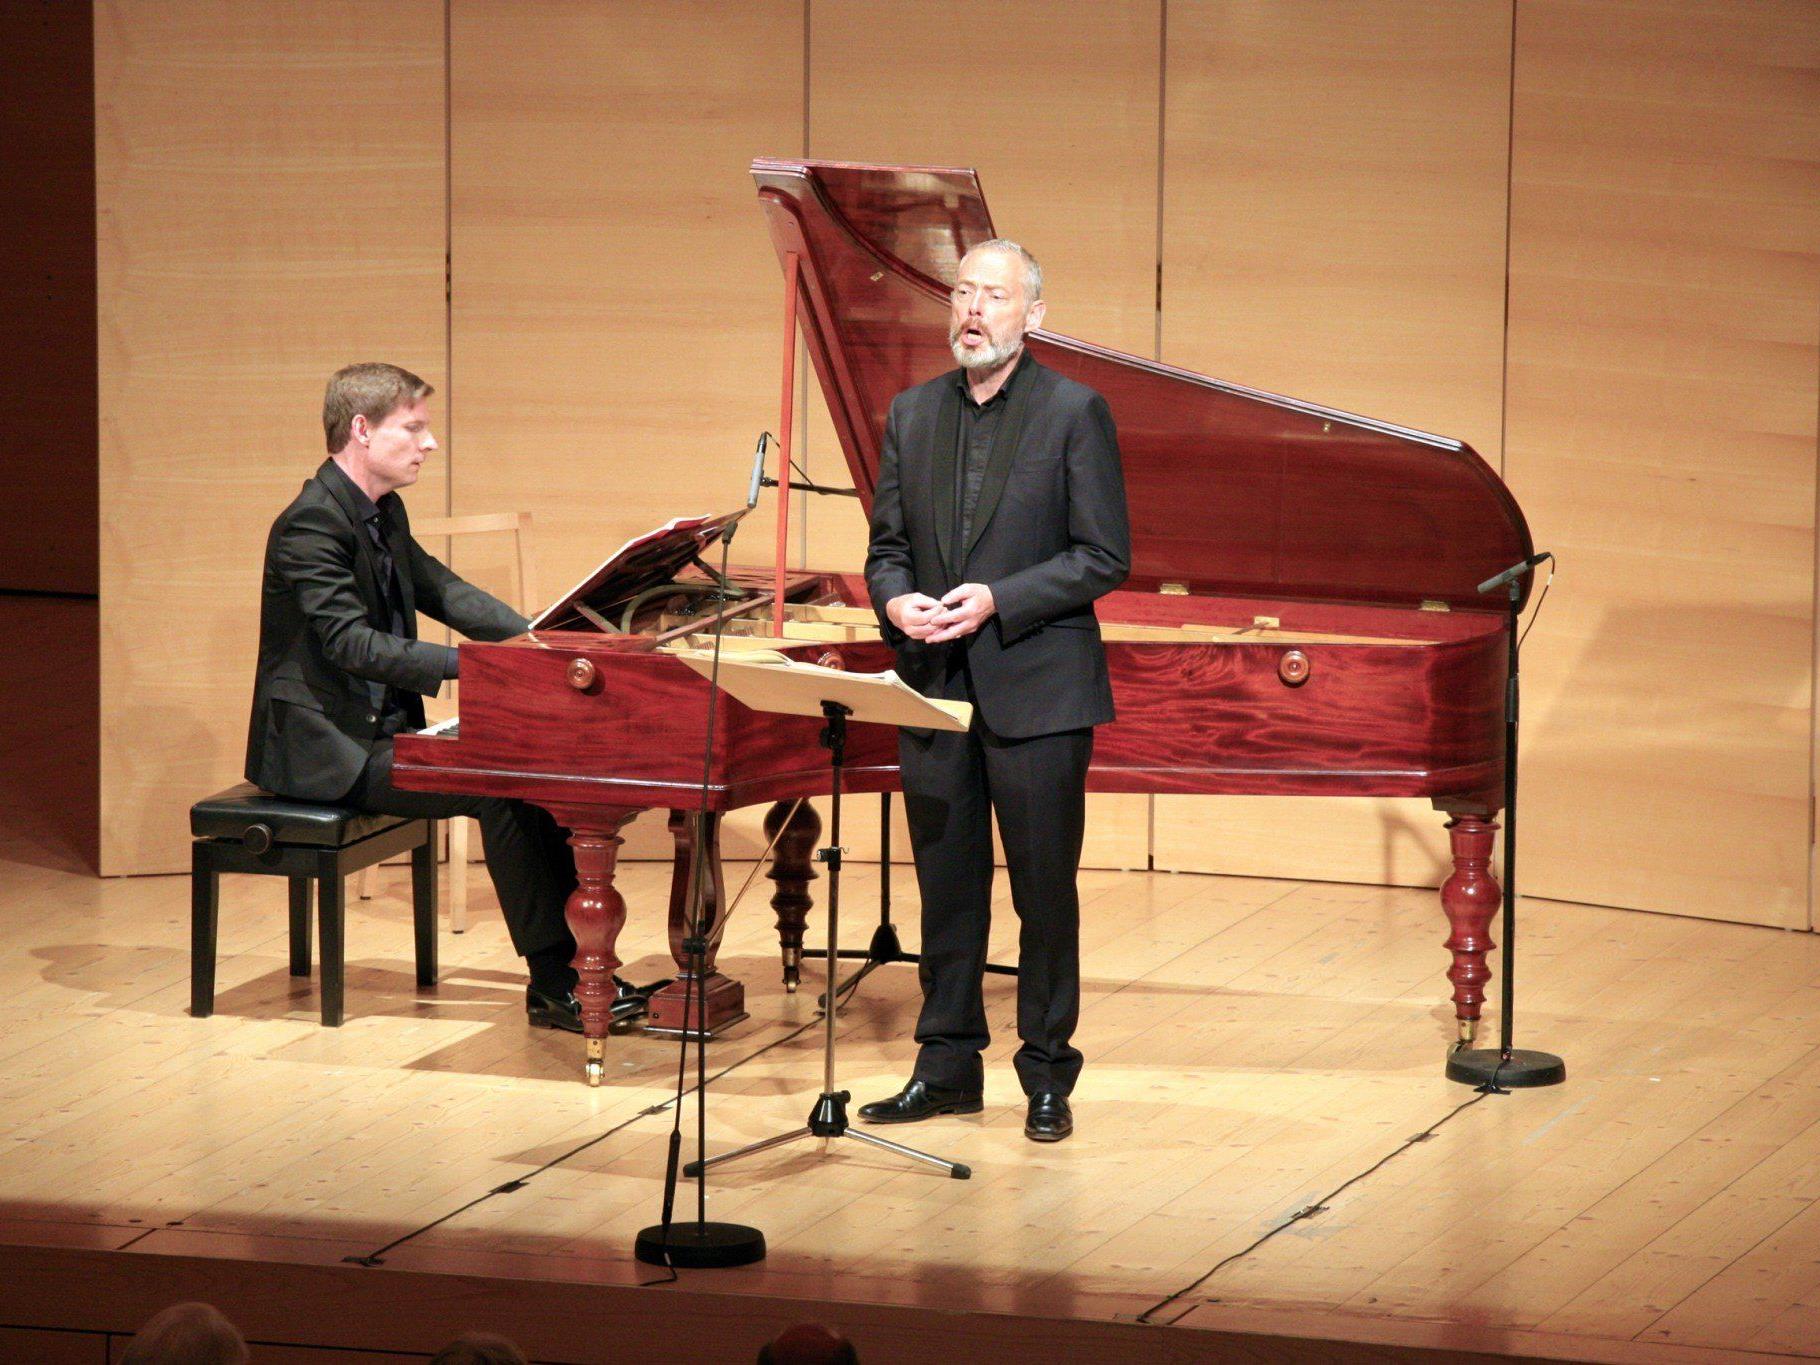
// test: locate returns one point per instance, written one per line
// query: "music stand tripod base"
(1521, 1070)
(828, 1119)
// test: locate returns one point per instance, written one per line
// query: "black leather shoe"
(546, 1010)
(919, 1100)
(1049, 1119)
(552, 1011)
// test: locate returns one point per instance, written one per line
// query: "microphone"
(758, 470)
(1514, 572)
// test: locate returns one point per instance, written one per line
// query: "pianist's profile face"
(394, 448)
(990, 309)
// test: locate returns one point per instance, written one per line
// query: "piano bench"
(244, 829)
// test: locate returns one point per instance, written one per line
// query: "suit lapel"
(941, 473)
(1004, 450)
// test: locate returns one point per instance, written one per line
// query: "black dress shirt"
(979, 427)
(389, 702)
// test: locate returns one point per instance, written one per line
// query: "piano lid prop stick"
(786, 430)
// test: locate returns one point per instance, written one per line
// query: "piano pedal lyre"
(597, 1060)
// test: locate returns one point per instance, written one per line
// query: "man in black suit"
(341, 670)
(998, 520)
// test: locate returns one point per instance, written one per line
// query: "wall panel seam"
(448, 259)
(1813, 672)
(1510, 181)
(1162, 125)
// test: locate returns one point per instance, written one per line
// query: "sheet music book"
(654, 557)
(767, 680)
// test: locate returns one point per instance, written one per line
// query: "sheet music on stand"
(767, 680)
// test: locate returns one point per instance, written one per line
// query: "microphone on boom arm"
(760, 479)
(1515, 571)
(758, 470)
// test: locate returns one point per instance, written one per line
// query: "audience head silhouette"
(808, 1343)
(479, 1348)
(187, 1334)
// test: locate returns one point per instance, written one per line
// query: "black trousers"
(528, 853)
(952, 785)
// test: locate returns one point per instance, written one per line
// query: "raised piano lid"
(1232, 491)
(645, 561)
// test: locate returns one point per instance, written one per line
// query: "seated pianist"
(341, 670)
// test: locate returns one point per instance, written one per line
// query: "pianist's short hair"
(1033, 272)
(371, 390)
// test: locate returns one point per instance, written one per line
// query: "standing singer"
(999, 518)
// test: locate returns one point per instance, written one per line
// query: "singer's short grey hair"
(1033, 272)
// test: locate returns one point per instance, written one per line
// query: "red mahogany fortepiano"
(1301, 617)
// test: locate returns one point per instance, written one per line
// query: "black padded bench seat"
(311, 843)
(233, 813)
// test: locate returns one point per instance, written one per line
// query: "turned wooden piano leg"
(715, 1000)
(1470, 897)
(792, 868)
(596, 913)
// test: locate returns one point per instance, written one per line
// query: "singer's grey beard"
(988, 357)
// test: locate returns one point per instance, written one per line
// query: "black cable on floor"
(1320, 1205)
(375, 1258)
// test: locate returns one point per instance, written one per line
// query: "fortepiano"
(1301, 618)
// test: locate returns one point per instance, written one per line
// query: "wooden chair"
(518, 525)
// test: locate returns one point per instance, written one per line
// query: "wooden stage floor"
(1254, 1048)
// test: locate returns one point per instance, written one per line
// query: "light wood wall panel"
(1665, 305)
(1333, 228)
(270, 191)
(617, 304)
(1057, 108)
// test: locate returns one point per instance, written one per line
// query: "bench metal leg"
(205, 906)
(423, 903)
(331, 914)
(458, 874)
(300, 926)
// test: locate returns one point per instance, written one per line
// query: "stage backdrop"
(270, 180)
(1583, 237)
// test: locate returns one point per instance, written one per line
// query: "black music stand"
(780, 685)
(886, 947)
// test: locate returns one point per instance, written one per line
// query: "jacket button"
(372, 719)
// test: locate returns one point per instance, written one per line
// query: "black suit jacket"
(1049, 536)
(324, 632)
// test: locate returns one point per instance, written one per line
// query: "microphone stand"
(1497, 1070)
(701, 1245)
